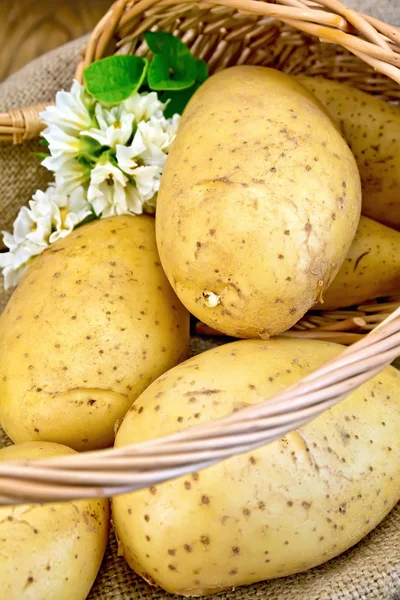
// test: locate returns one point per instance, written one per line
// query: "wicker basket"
(248, 32)
(288, 35)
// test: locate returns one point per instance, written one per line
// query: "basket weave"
(222, 36)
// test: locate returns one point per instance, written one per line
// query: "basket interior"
(224, 37)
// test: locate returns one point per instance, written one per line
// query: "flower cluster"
(50, 216)
(116, 153)
(106, 161)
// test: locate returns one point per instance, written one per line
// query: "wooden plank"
(29, 28)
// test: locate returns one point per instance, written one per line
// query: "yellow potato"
(50, 551)
(371, 269)
(371, 127)
(281, 509)
(259, 202)
(92, 323)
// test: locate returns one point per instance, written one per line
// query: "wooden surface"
(29, 28)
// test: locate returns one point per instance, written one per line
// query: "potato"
(371, 127)
(93, 322)
(259, 202)
(371, 269)
(281, 509)
(50, 551)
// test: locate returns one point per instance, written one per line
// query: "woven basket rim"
(373, 41)
(109, 472)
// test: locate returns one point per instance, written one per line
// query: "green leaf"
(41, 155)
(44, 143)
(113, 79)
(202, 70)
(173, 70)
(161, 77)
(173, 67)
(177, 99)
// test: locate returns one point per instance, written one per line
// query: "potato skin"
(259, 202)
(92, 323)
(281, 509)
(371, 268)
(50, 551)
(371, 127)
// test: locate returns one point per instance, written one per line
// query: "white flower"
(147, 178)
(154, 139)
(84, 137)
(9, 240)
(144, 106)
(31, 227)
(28, 240)
(110, 192)
(126, 155)
(65, 121)
(158, 135)
(67, 212)
(6, 265)
(96, 172)
(147, 181)
(144, 159)
(64, 150)
(106, 191)
(71, 110)
(51, 215)
(62, 146)
(149, 146)
(24, 224)
(15, 264)
(172, 126)
(77, 204)
(70, 175)
(115, 126)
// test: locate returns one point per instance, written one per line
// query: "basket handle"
(105, 473)
(21, 124)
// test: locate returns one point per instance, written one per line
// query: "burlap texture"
(369, 571)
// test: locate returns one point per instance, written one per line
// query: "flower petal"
(143, 106)
(70, 111)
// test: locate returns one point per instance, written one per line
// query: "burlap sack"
(369, 571)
